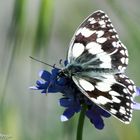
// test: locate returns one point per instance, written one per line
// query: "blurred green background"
(43, 29)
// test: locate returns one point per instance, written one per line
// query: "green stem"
(81, 123)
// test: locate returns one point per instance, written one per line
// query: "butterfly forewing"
(96, 44)
(96, 48)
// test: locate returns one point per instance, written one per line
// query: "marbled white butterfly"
(96, 63)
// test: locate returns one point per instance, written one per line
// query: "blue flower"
(72, 99)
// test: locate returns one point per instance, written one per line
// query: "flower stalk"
(81, 123)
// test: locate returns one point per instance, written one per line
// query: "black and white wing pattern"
(96, 44)
(96, 47)
(113, 93)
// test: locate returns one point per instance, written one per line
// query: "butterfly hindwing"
(109, 93)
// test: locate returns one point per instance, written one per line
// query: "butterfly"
(97, 60)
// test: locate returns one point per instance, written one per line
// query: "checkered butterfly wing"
(96, 47)
(113, 93)
(96, 44)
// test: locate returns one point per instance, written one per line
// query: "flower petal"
(95, 119)
(98, 122)
(61, 81)
(33, 88)
(63, 118)
(65, 102)
(136, 106)
(45, 75)
(68, 113)
(42, 85)
(103, 112)
(137, 91)
(55, 72)
(40, 82)
(53, 89)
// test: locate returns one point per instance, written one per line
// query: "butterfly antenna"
(53, 66)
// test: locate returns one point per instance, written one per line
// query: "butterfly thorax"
(71, 70)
